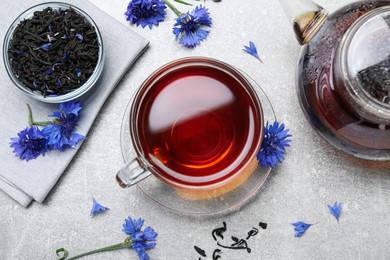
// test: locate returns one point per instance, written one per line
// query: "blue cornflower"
(188, 26)
(145, 12)
(29, 144)
(60, 131)
(141, 240)
(274, 144)
(335, 210)
(97, 208)
(251, 49)
(300, 228)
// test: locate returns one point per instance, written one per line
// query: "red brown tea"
(197, 124)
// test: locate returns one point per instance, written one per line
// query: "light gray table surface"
(313, 175)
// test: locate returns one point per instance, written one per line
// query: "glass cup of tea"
(196, 124)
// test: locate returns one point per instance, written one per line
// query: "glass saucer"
(168, 197)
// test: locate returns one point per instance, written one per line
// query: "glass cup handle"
(131, 174)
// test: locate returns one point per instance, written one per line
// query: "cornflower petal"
(191, 40)
(150, 234)
(251, 49)
(79, 36)
(138, 236)
(150, 245)
(18, 52)
(300, 228)
(97, 208)
(71, 107)
(49, 71)
(66, 54)
(131, 227)
(335, 210)
(45, 47)
(138, 224)
(128, 226)
(202, 15)
(78, 72)
(71, 141)
(141, 251)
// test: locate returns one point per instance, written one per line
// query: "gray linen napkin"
(25, 181)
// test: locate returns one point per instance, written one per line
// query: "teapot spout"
(305, 16)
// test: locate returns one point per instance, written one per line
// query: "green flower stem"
(125, 244)
(173, 8)
(31, 121)
(104, 249)
(42, 123)
(182, 2)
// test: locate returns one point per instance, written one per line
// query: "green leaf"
(64, 255)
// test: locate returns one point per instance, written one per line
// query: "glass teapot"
(343, 75)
